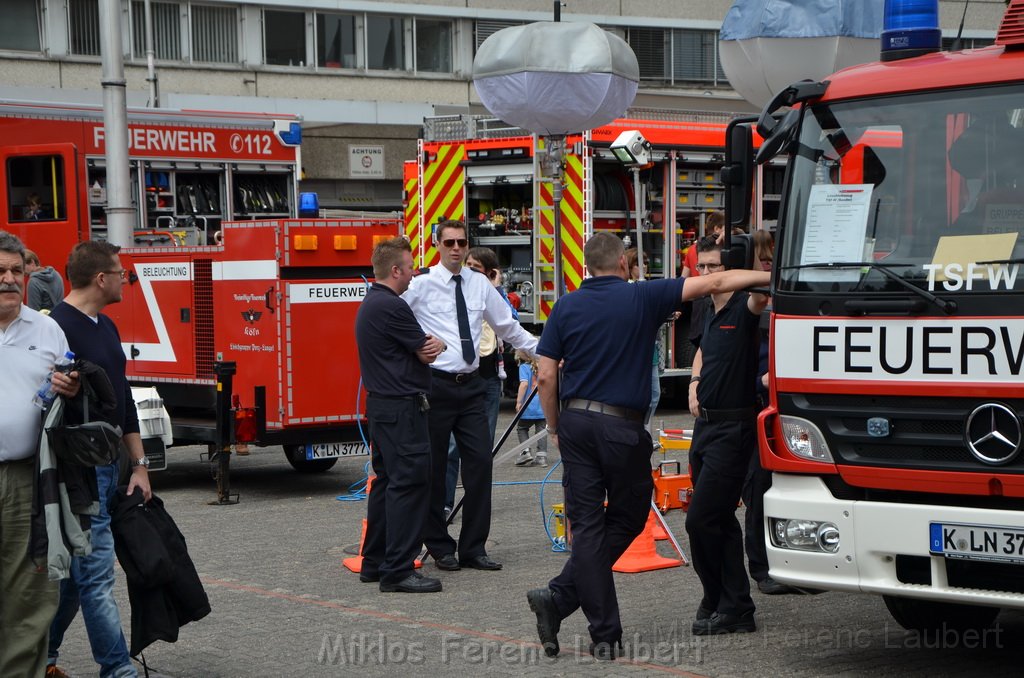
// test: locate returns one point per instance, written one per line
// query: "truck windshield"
(927, 190)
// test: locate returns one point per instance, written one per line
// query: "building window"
(336, 41)
(214, 34)
(385, 43)
(433, 46)
(284, 38)
(84, 26)
(695, 57)
(485, 29)
(677, 56)
(967, 43)
(166, 30)
(35, 188)
(20, 28)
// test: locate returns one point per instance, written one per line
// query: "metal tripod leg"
(671, 537)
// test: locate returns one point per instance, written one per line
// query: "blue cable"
(555, 545)
(357, 490)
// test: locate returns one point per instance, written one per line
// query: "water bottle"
(45, 395)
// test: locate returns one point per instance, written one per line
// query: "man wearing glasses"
(722, 398)
(97, 279)
(451, 302)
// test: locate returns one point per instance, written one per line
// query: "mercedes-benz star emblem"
(994, 433)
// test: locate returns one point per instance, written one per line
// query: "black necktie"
(468, 350)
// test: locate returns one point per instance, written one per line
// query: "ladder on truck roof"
(463, 127)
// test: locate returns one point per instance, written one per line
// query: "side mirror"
(738, 172)
(738, 251)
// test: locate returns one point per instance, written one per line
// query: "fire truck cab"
(894, 429)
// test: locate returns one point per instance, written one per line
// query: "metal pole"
(120, 213)
(637, 207)
(225, 432)
(154, 94)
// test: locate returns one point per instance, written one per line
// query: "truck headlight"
(804, 535)
(804, 439)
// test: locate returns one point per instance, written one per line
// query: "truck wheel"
(930, 615)
(296, 455)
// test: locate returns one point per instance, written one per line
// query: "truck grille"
(926, 433)
(202, 303)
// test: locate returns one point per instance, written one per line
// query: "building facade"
(362, 73)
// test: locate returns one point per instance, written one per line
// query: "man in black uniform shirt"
(722, 398)
(394, 355)
(595, 415)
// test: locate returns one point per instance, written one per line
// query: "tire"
(296, 455)
(915, 614)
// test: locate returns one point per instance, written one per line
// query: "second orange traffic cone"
(642, 556)
(355, 563)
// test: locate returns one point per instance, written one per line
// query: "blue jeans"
(92, 586)
(492, 404)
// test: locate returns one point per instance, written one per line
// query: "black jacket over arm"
(163, 587)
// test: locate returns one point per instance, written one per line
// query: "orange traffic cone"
(658, 532)
(355, 563)
(642, 556)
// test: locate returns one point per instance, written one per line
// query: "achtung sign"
(366, 162)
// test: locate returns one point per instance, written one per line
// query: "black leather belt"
(736, 414)
(604, 408)
(457, 377)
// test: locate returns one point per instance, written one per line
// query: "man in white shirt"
(30, 343)
(457, 392)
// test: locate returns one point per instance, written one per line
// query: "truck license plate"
(333, 450)
(977, 542)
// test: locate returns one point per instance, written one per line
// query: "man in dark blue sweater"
(97, 277)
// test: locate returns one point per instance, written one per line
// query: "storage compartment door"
(321, 363)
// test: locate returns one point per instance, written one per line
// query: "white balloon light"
(767, 45)
(556, 78)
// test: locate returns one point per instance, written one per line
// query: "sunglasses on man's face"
(452, 242)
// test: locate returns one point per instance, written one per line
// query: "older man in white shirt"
(450, 302)
(30, 343)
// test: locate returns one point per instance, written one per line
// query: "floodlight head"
(632, 149)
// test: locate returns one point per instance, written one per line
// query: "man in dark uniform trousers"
(394, 354)
(604, 335)
(451, 302)
(723, 399)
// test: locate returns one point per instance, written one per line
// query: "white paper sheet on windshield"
(837, 224)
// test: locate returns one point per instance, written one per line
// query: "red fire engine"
(894, 429)
(228, 292)
(478, 170)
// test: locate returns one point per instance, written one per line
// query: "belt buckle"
(460, 377)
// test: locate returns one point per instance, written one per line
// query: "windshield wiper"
(947, 307)
(1018, 260)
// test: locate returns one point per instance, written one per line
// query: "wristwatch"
(143, 461)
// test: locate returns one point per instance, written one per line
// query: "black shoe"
(448, 563)
(770, 587)
(700, 621)
(719, 623)
(605, 651)
(414, 583)
(369, 577)
(480, 563)
(542, 603)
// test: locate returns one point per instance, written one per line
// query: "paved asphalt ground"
(284, 606)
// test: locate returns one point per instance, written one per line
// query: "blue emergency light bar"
(910, 28)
